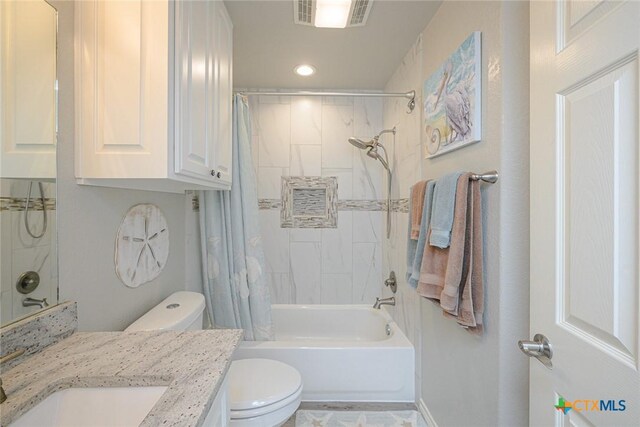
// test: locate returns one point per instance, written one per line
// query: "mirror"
(28, 132)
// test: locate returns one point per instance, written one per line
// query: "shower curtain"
(234, 279)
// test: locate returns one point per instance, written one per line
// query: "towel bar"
(490, 177)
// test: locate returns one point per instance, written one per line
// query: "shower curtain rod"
(411, 95)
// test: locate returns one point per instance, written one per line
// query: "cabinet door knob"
(218, 175)
(213, 172)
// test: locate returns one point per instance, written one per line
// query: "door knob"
(540, 348)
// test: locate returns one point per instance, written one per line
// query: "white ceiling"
(268, 45)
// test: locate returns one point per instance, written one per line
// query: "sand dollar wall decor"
(142, 245)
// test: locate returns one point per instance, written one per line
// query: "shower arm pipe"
(411, 95)
(393, 131)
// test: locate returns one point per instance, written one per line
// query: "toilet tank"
(180, 311)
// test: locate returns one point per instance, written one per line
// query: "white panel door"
(27, 90)
(584, 212)
(195, 91)
(224, 93)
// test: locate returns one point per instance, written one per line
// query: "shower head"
(373, 142)
(372, 147)
(373, 153)
(358, 143)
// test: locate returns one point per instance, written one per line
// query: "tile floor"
(350, 406)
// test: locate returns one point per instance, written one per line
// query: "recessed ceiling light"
(304, 70)
(332, 13)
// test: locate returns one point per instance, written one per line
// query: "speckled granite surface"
(39, 331)
(192, 364)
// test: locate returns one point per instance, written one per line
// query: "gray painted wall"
(88, 219)
(466, 380)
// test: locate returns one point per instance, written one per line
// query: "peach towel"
(417, 204)
(453, 277)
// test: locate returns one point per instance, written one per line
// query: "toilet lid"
(254, 383)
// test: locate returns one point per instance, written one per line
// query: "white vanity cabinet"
(219, 414)
(153, 94)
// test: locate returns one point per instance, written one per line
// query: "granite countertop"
(192, 364)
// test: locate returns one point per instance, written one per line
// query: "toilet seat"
(256, 412)
(263, 392)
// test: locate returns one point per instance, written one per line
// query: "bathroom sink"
(93, 407)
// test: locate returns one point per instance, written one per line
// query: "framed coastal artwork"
(452, 100)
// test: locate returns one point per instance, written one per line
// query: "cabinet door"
(219, 414)
(224, 92)
(195, 89)
(27, 90)
(121, 89)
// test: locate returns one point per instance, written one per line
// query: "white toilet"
(262, 392)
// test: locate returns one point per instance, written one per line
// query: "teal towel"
(444, 200)
(414, 260)
(411, 249)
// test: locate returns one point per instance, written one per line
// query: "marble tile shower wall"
(406, 160)
(307, 136)
(20, 252)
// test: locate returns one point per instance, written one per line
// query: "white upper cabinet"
(153, 94)
(224, 90)
(28, 90)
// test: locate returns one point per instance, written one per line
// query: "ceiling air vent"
(359, 13)
(304, 11)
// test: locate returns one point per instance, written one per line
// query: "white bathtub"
(344, 352)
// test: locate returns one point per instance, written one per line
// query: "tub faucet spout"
(384, 301)
(31, 302)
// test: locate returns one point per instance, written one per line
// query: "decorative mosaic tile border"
(269, 204)
(41, 330)
(195, 200)
(18, 204)
(263, 204)
(400, 205)
(362, 205)
(397, 205)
